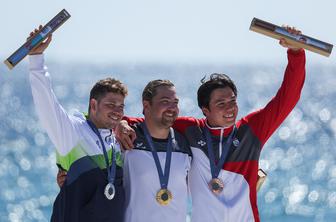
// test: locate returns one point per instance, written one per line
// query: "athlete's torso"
(142, 180)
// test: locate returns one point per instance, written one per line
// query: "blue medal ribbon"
(215, 168)
(164, 177)
(111, 170)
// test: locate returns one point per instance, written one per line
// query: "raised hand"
(39, 49)
(293, 31)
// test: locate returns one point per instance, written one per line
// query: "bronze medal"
(163, 197)
(216, 186)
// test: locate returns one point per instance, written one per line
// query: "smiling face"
(163, 109)
(108, 111)
(223, 108)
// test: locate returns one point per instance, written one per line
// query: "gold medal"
(163, 197)
(216, 186)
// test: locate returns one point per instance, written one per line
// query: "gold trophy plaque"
(302, 41)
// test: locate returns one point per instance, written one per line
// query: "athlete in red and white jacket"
(238, 201)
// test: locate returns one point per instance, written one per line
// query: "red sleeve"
(265, 121)
(133, 120)
(182, 123)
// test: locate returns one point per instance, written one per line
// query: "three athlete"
(223, 172)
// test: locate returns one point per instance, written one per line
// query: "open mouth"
(113, 117)
(170, 115)
(229, 117)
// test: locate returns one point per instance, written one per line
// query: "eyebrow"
(114, 103)
(220, 100)
(165, 97)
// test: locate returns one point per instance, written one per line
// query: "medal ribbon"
(215, 168)
(111, 170)
(164, 177)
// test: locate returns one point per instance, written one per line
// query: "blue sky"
(174, 31)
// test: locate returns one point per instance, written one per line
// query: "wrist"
(35, 53)
(295, 50)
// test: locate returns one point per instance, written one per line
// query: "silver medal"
(109, 191)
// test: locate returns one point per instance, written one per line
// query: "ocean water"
(300, 157)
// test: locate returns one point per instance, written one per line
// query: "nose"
(118, 110)
(173, 107)
(230, 107)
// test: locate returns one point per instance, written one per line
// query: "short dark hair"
(104, 86)
(215, 81)
(150, 89)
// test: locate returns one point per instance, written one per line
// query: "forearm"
(51, 114)
(265, 121)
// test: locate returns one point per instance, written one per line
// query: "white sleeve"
(58, 124)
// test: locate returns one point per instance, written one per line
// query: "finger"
(124, 145)
(282, 41)
(48, 40)
(289, 29)
(59, 182)
(128, 142)
(62, 181)
(63, 173)
(122, 141)
(297, 32)
(285, 26)
(31, 35)
(118, 131)
(132, 135)
(62, 178)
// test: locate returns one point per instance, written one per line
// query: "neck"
(156, 131)
(210, 124)
(95, 122)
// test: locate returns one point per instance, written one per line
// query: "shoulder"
(183, 143)
(77, 116)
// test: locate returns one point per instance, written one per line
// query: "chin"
(168, 123)
(112, 125)
(227, 124)
(231, 123)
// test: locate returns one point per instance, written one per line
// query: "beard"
(168, 121)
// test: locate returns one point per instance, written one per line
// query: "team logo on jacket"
(201, 143)
(108, 139)
(236, 142)
(140, 145)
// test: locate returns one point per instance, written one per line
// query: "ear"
(205, 111)
(93, 105)
(145, 105)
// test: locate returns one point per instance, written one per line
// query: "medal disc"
(216, 186)
(109, 191)
(164, 196)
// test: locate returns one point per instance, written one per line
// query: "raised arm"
(54, 119)
(265, 121)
